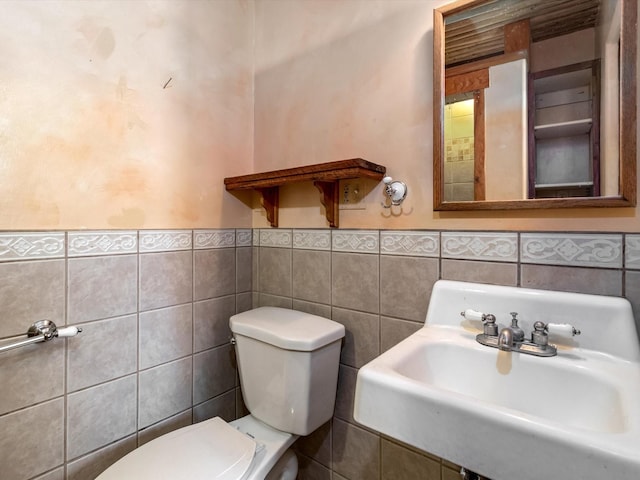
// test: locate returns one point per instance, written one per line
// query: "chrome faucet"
(512, 338)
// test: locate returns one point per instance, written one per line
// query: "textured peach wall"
(353, 78)
(124, 114)
(89, 138)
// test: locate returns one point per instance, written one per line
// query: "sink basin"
(521, 384)
(508, 415)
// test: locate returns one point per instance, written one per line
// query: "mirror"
(525, 125)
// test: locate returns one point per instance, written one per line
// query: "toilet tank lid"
(285, 328)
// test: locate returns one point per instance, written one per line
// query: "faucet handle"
(490, 327)
(470, 314)
(562, 329)
(488, 320)
(539, 335)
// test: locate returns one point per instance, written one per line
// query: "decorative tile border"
(312, 239)
(632, 251)
(214, 238)
(588, 250)
(244, 237)
(576, 250)
(356, 241)
(414, 243)
(29, 246)
(102, 243)
(495, 247)
(276, 238)
(165, 240)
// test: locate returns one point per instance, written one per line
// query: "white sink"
(507, 415)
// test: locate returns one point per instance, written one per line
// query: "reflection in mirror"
(534, 104)
(565, 159)
(459, 140)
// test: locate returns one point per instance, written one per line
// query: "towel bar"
(41, 331)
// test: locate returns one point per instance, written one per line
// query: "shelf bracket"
(329, 197)
(269, 201)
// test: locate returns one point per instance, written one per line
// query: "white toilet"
(288, 362)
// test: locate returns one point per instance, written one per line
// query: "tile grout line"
(66, 354)
(138, 304)
(193, 326)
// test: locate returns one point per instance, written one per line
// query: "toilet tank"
(288, 362)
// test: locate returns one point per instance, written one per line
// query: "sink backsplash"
(606, 323)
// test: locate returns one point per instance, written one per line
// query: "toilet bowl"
(288, 364)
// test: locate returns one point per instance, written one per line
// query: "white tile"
(276, 238)
(214, 238)
(165, 240)
(488, 246)
(632, 251)
(244, 237)
(356, 241)
(419, 244)
(312, 239)
(29, 246)
(576, 250)
(102, 243)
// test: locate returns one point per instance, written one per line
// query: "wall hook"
(395, 190)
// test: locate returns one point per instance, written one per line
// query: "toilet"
(288, 362)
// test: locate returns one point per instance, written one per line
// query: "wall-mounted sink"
(508, 415)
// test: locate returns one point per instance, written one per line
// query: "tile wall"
(459, 151)
(378, 283)
(153, 355)
(154, 306)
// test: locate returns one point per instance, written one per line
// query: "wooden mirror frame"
(627, 140)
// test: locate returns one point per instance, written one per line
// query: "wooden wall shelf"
(325, 176)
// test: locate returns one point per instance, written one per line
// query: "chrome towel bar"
(40, 331)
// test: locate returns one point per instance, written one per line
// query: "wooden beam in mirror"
(509, 18)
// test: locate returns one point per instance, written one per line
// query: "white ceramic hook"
(395, 190)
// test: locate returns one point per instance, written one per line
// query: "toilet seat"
(212, 449)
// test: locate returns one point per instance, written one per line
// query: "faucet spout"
(505, 339)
